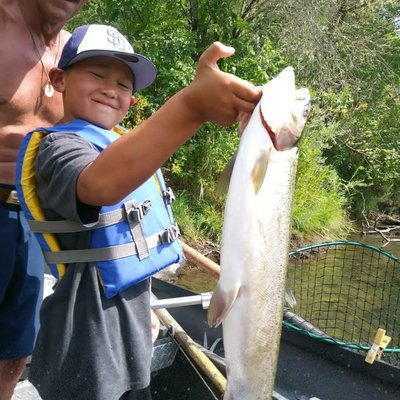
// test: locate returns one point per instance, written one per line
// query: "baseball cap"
(103, 40)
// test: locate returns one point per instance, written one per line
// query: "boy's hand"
(217, 96)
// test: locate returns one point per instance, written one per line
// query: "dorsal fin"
(225, 177)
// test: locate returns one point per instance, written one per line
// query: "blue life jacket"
(132, 240)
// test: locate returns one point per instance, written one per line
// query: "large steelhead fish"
(249, 296)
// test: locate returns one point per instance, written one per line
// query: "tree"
(348, 51)
(345, 51)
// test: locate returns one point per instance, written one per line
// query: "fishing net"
(347, 290)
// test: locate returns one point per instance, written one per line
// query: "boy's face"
(99, 90)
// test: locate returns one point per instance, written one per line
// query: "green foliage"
(194, 170)
(186, 217)
(319, 200)
(349, 53)
(346, 52)
(365, 150)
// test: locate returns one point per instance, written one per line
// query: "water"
(195, 279)
(348, 291)
(199, 281)
(377, 241)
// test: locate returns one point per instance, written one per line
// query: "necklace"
(48, 88)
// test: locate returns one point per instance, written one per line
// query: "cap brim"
(144, 70)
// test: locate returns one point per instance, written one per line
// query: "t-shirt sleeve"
(60, 160)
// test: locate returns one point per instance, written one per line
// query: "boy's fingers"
(213, 53)
(230, 94)
(243, 106)
(246, 91)
(239, 87)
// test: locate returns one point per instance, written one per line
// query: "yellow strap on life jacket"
(28, 185)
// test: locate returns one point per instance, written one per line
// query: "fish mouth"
(269, 130)
(286, 138)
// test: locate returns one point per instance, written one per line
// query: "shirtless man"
(31, 40)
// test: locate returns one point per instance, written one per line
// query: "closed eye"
(125, 86)
(97, 75)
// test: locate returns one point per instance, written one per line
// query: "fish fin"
(220, 304)
(259, 169)
(225, 177)
(289, 297)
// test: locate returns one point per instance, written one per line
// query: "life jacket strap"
(110, 253)
(134, 213)
(66, 226)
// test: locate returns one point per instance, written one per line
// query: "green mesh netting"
(348, 290)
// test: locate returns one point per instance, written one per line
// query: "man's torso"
(23, 105)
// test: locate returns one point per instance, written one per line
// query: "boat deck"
(308, 369)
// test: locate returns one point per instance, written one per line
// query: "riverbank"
(194, 278)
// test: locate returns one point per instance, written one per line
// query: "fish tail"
(229, 394)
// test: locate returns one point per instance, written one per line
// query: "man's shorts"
(21, 284)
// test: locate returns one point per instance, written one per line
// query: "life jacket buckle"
(13, 198)
(170, 234)
(137, 212)
(168, 195)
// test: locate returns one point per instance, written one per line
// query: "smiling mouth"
(103, 103)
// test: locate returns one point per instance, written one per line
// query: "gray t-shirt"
(89, 347)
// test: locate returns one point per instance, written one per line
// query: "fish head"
(284, 109)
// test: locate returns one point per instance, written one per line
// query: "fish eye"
(306, 110)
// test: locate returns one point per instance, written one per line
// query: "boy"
(95, 336)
